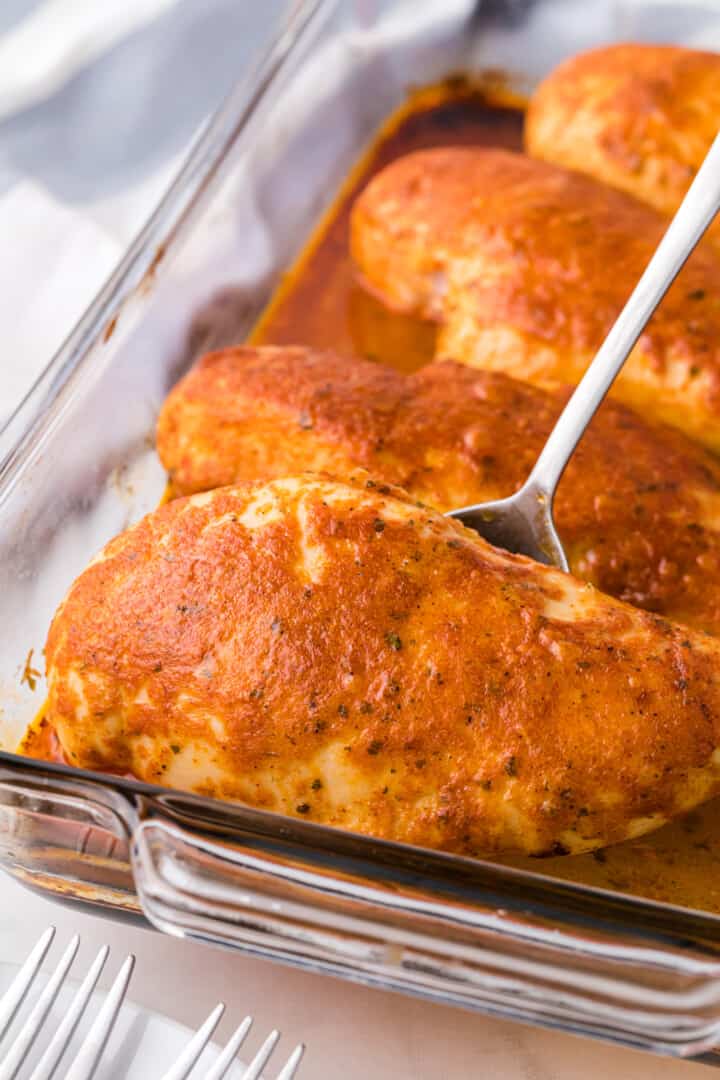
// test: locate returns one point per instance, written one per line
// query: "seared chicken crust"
(324, 650)
(527, 265)
(638, 508)
(639, 117)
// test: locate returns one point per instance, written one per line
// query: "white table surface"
(111, 178)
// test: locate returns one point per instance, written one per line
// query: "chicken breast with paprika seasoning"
(321, 649)
(526, 266)
(639, 117)
(638, 508)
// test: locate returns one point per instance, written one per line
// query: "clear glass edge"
(655, 922)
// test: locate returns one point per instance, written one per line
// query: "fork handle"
(697, 210)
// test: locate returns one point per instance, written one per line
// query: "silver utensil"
(186, 1062)
(523, 523)
(93, 1046)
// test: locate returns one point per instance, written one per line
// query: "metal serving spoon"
(524, 522)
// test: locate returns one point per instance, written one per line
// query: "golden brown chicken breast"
(638, 508)
(640, 117)
(527, 265)
(322, 649)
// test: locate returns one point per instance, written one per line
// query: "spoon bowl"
(522, 523)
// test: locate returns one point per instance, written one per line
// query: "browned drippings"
(41, 742)
(319, 302)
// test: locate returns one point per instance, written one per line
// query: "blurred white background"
(99, 98)
(99, 102)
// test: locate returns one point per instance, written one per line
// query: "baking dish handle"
(67, 838)
(296, 906)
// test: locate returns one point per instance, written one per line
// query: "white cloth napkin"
(52, 261)
(56, 39)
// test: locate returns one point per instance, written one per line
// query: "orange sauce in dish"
(319, 302)
(40, 741)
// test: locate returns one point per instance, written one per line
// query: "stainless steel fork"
(93, 1046)
(186, 1062)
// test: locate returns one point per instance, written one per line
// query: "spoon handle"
(696, 211)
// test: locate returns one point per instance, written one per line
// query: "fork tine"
(258, 1063)
(29, 1031)
(186, 1062)
(50, 1060)
(84, 1065)
(14, 996)
(291, 1065)
(223, 1063)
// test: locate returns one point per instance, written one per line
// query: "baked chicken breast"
(527, 265)
(638, 508)
(640, 117)
(325, 650)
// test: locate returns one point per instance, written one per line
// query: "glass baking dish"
(77, 465)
